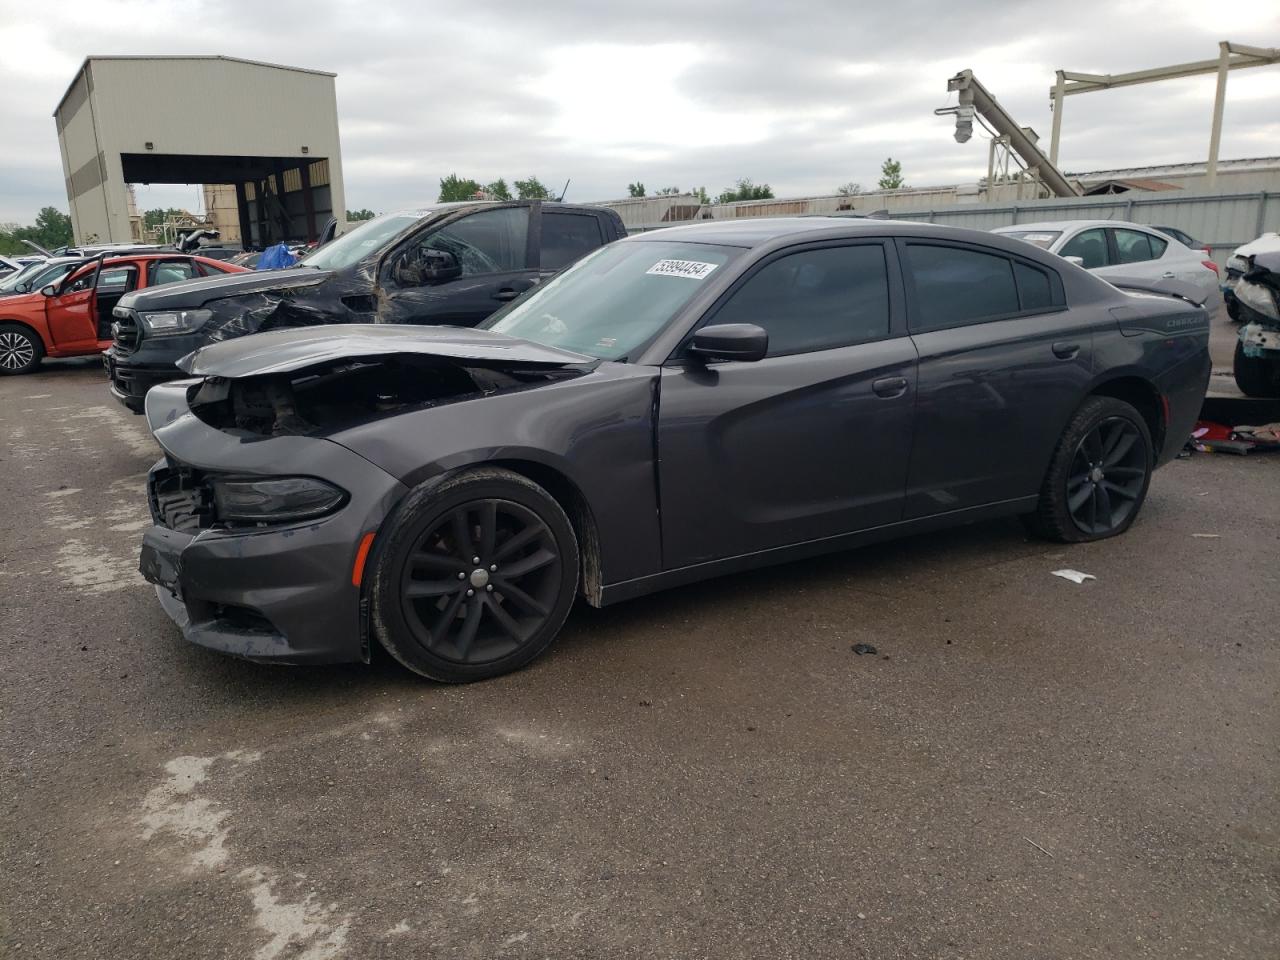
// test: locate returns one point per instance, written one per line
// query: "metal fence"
(1222, 221)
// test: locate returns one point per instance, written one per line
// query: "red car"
(73, 318)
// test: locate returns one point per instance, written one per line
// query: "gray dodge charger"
(678, 405)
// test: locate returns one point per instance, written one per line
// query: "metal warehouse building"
(269, 130)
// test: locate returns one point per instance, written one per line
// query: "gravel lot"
(1027, 769)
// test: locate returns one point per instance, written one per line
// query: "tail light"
(1212, 266)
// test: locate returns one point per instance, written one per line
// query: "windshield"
(354, 245)
(8, 283)
(1041, 238)
(612, 301)
(39, 276)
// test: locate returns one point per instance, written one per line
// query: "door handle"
(506, 293)
(890, 387)
(1066, 351)
(1168, 275)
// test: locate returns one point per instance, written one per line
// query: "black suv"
(450, 263)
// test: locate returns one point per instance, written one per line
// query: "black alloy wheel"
(1099, 475)
(1108, 476)
(20, 350)
(482, 581)
(475, 576)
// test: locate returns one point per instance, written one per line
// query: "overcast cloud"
(802, 95)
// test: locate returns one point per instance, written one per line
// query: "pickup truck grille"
(180, 499)
(125, 332)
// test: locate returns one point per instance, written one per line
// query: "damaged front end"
(298, 382)
(1257, 293)
(261, 521)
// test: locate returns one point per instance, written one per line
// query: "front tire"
(20, 350)
(476, 576)
(1099, 474)
(1255, 376)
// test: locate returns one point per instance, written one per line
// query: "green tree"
(745, 190)
(636, 189)
(355, 216)
(498, 190)
(849, 189)
(51, 230)
(891, 175)
(532, 189)
(668, 192)
(453, 188)
(701, 194)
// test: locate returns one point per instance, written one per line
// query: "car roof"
(1072, 224)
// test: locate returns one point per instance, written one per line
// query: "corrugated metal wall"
(1222, 220)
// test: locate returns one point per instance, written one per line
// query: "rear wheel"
(1099, 474)
(20, 350)
(476, 577)
(1256, 376)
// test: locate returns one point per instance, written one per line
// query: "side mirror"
(427, 268)
(1078, 261)
(440, 266)
(50, 291)
(730, 341)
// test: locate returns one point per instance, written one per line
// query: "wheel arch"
(574, 503)
(1142, 395)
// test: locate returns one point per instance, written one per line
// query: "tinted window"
(1090, 246)
(117, 280)
(83, 281)
(815, 300)
(566, 237)
(954, 286)
(169, 271)
(1034, 290)
(491, 241)
(1135, 247)
(1157, 246)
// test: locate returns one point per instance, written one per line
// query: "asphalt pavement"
(1026, 767)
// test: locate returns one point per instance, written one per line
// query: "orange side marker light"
(362, 554)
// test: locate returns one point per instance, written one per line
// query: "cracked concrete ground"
(1028, 768)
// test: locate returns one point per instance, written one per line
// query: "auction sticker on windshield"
(692, 269)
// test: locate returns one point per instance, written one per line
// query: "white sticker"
(693, 269)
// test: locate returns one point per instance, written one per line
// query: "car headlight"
(253, 500)
(168, 322)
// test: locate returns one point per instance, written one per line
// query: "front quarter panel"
(595, 430)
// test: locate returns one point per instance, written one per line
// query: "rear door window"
(567, 236)
(1090, 246)
(169, 271)
(1132, 246)
(117, 280)
(955, 286)
(815, 299)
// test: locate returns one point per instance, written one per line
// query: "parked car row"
(69, 313)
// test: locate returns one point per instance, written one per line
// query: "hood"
(283, 351)
(194, 293)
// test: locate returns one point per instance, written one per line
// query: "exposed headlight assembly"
(169, 322)
(258, 500)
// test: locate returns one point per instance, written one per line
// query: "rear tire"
(476, 576)
(1099, 474)
(20, 350)
(1256, 376)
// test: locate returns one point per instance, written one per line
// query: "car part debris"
(861, 648)
(1075, 576)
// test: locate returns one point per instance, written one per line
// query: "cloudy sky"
(803, 95)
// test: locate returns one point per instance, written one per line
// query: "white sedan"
(1114, 248)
